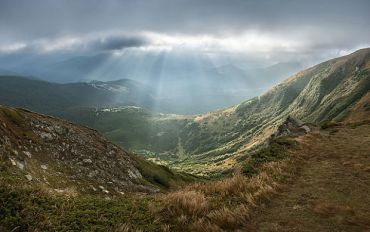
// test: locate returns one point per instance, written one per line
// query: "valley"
(300, 147)
(212, 142)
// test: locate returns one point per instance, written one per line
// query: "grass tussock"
(186, 203)
(223, 205)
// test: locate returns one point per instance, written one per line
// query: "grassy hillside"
(61, 157)
(212, 142)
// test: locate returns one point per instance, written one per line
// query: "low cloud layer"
(112, 43)
(97, 43)
(261, 28)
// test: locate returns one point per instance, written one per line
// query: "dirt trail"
(332, 189)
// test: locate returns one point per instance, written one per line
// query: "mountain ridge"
(327, 91)
(51, 98)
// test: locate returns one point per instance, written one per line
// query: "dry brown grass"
(126, 228)
(331, 191)
(223, 205)
(186, 204)
(327, 209)
(230, 218)
(229, 186)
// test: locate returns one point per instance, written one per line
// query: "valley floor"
(331, 189)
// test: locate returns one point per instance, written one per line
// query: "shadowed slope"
(62, 157)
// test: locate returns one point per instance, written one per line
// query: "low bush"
(328, 124)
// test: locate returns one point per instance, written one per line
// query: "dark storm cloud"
(96, 43)
(112, 43)
(319, 25)
(49, 17)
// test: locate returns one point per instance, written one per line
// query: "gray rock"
(134, 174)
(20, 165)
(87, 161)
(60, 130)
(46, 136)
(105, 191)
(291, 127)
(93, 173)
(28, 154)
(59, 190)
(28, 177)
(13, 162)
(306, 128)
(43, 166)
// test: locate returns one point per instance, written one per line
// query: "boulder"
(291, 127)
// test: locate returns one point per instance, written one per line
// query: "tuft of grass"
(190, 203)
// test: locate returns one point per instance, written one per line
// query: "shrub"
(328, 124)
(274, 152)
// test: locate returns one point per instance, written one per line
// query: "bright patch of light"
(60, 44)
(12, 47)
(246, 42)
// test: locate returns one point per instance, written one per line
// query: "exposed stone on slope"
(54, 152)
(291, 127)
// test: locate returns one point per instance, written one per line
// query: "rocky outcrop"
(57, 154)
(291, 127)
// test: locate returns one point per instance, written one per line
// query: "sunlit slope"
(213, 141)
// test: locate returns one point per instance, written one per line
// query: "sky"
(276, 30)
